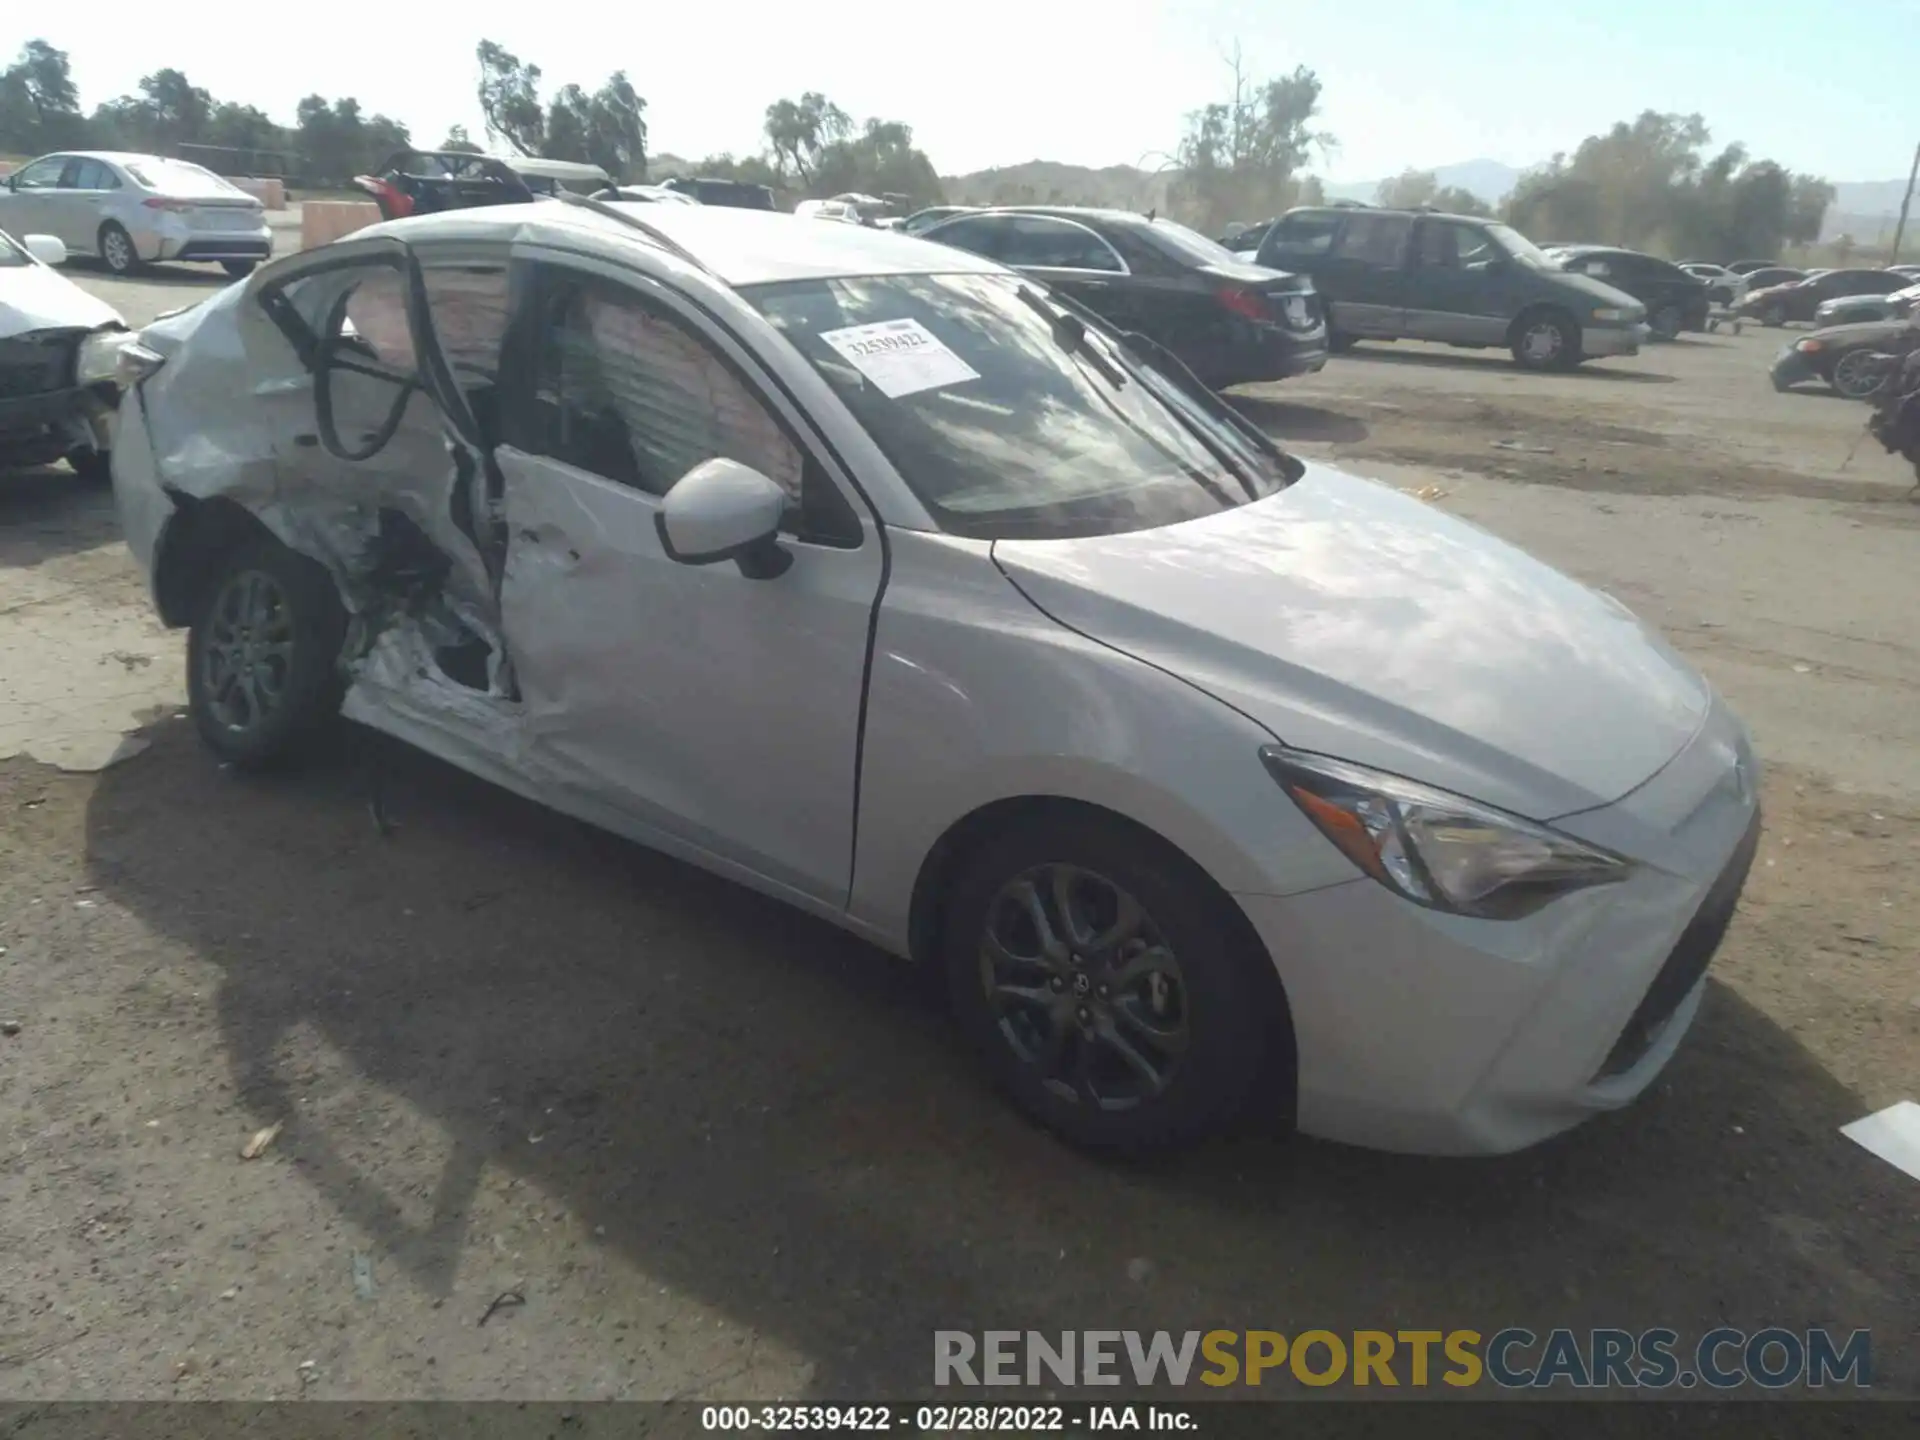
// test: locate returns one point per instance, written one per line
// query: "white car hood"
(36, 297)
(1354, 621)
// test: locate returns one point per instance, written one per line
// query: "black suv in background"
(1232, 323)
(1674, 299)
(1458, 279)
(735, 193)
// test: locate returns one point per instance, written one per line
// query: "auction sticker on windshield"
(900, 357)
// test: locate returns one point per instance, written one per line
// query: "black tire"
(117, 249)
(94, 467)
(1564, 352)
(1774, 315)
(1850, 378)
(1667, 322)
(238, 268)
(309, 687)
(1340, 342)
(1219, 996)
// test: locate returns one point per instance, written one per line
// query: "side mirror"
(723, 510)
(47, 249)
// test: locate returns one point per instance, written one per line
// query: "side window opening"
(1373, 239)
(628, 392)
(1303, 236)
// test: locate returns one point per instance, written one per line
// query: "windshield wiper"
(1070, 334)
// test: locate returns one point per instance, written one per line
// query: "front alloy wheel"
(1854, 375)
(1084, 987)
(1113, 992)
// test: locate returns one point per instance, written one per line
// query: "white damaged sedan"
(60, 362)
(876, 577)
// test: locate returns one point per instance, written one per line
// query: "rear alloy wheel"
(116, 248)
(1546, 341)
(1774, 315)
(263, 655)
(1105, 992)
(1666, 322)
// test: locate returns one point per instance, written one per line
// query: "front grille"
(1691, 955)
(38, 362)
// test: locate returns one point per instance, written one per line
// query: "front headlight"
(99, 359)
(1436, 849)
(1613, 314)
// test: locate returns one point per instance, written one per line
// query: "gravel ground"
(719, 1150)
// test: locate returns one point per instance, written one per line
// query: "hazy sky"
(996, 82)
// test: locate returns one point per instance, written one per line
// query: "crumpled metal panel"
(205, 445)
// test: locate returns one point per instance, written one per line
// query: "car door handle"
(306, 441)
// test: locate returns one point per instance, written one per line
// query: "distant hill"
(1488, 179)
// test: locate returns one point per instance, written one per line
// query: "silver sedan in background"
(131, 210)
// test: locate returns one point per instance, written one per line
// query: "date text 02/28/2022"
(942, 1419)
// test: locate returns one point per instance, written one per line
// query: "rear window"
(178, 177)
(1003, 427)
(1172, 238)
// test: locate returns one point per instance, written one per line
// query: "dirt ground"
(718, 1150)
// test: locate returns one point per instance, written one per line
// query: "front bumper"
(1790, 368)
(1435, 1034)
(1613, 339)
(40, 429)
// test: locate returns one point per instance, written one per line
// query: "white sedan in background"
(860, 570)
(132, 210)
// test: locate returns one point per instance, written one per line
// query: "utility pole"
(1906, 201)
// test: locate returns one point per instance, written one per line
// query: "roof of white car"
(742, 247)
(119, 157)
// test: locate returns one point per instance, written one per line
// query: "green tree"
(336, 141)
(1649, 184)
(458, 140)
(1240, 156)
(879, 160)
(607, 127)
(800, 131)
(509, 96)
(39, 106)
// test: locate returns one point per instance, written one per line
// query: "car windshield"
(1175, 239)
(1007, 417)
(178, 177)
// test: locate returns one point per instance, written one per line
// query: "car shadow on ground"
(1289, 420)
(162, 273)
(771, 1117)
(1401, 353)
(50, 511)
